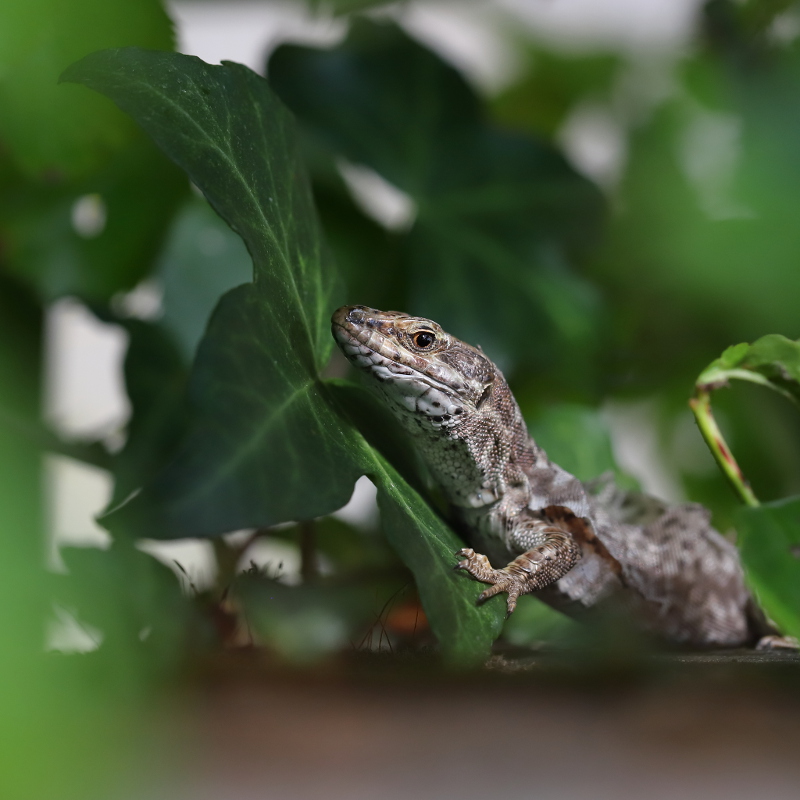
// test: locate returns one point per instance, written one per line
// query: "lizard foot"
(538, 567)
(502, 580)
(778, 643)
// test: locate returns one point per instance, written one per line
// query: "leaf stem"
(701, 406)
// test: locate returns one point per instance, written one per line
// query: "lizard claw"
(505, 585)
(464, 551)
(475, 564)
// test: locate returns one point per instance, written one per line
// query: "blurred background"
(664, 232)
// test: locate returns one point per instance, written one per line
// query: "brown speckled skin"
(682, 579)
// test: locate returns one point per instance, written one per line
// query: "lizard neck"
(487, 457)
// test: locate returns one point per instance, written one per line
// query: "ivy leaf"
(500, 216)
(267, 442)
(769, 540)
(427, 547)
(225, 128)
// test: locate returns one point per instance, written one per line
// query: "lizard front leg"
(553, 554)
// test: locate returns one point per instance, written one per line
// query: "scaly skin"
(576, 546)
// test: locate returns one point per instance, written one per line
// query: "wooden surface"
(682, 726)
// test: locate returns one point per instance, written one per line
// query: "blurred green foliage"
(240, 419)
(769, 534)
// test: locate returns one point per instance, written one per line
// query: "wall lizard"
(577, 546)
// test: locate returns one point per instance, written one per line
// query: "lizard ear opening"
(487, 393)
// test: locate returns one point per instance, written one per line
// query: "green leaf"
(499, 216)
(769, 540)
(772, 361)
(50, 131)
(267, 444)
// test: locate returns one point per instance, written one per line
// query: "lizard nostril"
(356, 316)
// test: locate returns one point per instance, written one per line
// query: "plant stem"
(308, 550)
(701, 406)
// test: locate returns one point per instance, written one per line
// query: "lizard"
(532, 527)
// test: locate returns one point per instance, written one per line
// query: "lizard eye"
(423, 339)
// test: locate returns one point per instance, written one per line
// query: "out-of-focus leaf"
(22, 589)
(53, 132)
(499, 215)
(576, 438)
(147, 623)
(95, 236)
(742, 23)
(342, 547)
(551, 86)
(304, 623)
(533, 623)
(713, 250)
(769, 540)
(50, 724)
(267, 444)
(202, 259)
(370, 258)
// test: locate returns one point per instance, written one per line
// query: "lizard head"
(430, 379)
